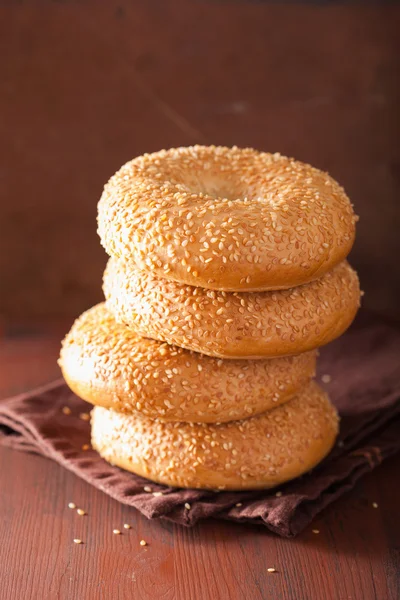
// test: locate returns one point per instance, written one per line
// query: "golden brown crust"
(226, 218)
(260, 452)
(234, 324)
(109, 365)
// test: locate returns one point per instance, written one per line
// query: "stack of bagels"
(227, 271)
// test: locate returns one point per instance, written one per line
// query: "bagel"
(260, 452)
(226, 218)
(233, 324)
(109, 365)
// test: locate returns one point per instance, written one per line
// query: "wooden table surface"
(355, 556)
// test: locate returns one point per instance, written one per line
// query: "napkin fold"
(360, 371)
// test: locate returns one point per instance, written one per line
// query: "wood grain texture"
(86, 86)
(355, 556)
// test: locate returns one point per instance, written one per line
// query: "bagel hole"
(217, 188)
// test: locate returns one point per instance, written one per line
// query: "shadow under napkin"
(364, 371)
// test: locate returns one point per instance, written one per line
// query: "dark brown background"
(87, 85)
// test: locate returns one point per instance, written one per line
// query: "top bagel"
(226, 218)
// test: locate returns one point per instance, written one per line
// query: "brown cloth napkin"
(364, 371)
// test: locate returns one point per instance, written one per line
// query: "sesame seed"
(77, 541)
(375, 505)
(127, 526)
(271, 570)
(116, 532)
(278, 494)
(315, 530)
(157, 494)
(71, 505)
(84, 416)
(66, 410)
(187, 506)
(238, 504)
(143, 543)
(326, 378)
(80, 512)
(85, 447)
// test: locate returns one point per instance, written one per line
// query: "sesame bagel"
(226, 218)
(233, 324)
(260, 452)
(110, 365)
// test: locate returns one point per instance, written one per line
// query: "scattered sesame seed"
(238, 504)
(80, 512)
(116, 532)
(271, 570)
(143, 543)
(157, 494)
(126, 526)
(315, 530)
(66, 410)
(71, 505)
(278, 494)
(77, 541)
(85, 447)
(84, 416)
(375, 504)
(326, 378)
(147, 488)
(187, 506)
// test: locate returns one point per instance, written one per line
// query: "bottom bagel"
(259, 452)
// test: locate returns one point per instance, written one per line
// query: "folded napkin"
(361, 372)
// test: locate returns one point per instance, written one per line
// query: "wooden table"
(355, 556)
